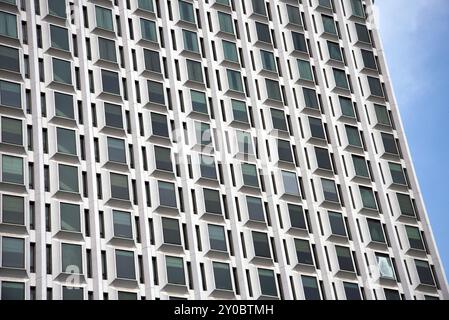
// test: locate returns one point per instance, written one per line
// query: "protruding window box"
(373, 233)
(168, 239)
(252, 211)
(120, 228)
(387, 146)
(173, 273)
(228, 53)
(322, 6)
(242, 145)
(13, 145)
(11, 98)
(351, 139)
(102, 20)
(105, 53)
(164, 197)
(327, 193)
(54, 11)
(257, 10)
(201, 137)
(399, 181)
(113, 121)
(266, 285)
(236, 111)
(70, 261)
(271, 96)
(150, 64)
(66, 184)
(294, 219)
(294, 18)
(343, 267)
(320, 161)
(297, 45)
(14, 214)
(124, 275)
(332, 53)
(57, 117)
(259, 249)
(219, 275)
(184, 15)
(116, 189)
(210, 204)
(412, 239)
(338, 81)
(57, 41)
(360, 35)
(196, 104)
(59, 75)
(66, 146)
(215, 241)
(384, 272)
(282, 153)
(381, 117)
(157, 128)
(108, 83)
(204, 168)
(334, 227)
(326, 26)
(145, 8)
(14, 257)
(9, 5)
(373, 88)
(301, 251)
(247, 177)
(287, 184)
(161, 162)
(365, 200)
(116, 153)
(69, 229)
(423, 279)
(314, 131)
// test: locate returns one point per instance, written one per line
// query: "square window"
(346, 106)
(222, 276)
(9, 59)
(316, 128)
(66, 141)
(175, 270)
(113, 115)
(225, 22)
(278, 120)
(344, 258)
(303, 252)
(12, 169)
(310, 286)
(148, 30)
(122, 224)
(259, 7)
(360, 167)
(337, 223)
(119, 186)
(167, 195)
(263, 32)
(414, 238)
(239, 111)
(386, 270)
(8, 25)
(13, 254)
(71, 257)
(322, 158)
(163, 158)
(296, 215)
(230, 51)
(376, 231)
(284, 151)
(190, 41)
(368, 199)
(107, 49)
(62, 71)
(310, 98)
(352, 291)
(124, 262)
(217, 239)
(268, 62)
(273, 90)
(194, 71)
(244, 142)
(261, 244)
(397, 173)
(329, 190)
(255, 209)
(234, 80)
(212, 201)
(425, 274)
(249, 173)
(116, 150)
(186, 12)
(13, 290)
(70, 217)
(305, 71)
(353, 136)
(64, 105)
(170, 230)
(156, 92)
(341, 81)
(357, 8)
(362, 33)
(10, 94)
(152, 60)
(159, 125)
(146, 5)
(57, 8)
(294, 15)
(329, 25)
(68, 178)
(382, 115)
(389, 143)
(334, 51)
(110, 82)
(13, 210)
(368, 59)
(267, 282)
(203, 133)
(207, 167)
(104, 18)
(59, 38)
(11, 131)
(405, 205)
(375, 87)
(290, 182)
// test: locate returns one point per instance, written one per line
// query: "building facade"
(207, 149)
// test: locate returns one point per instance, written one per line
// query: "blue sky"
(416, 42)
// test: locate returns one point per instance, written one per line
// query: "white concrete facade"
(207, 149)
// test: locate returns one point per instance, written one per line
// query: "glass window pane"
(13, 209)
(424, 272)
(414, 238)
(267, 282)
(222, 276)
(66, 141)
(290, 182)
(159, 125)
(259, 7)
(8, 25)
(299, 42)
(104, 18)
(124, 261)
(303, 252)
(305, 71)
(217, 240)
(389, 143)
(9, 59)
(203, 133)
(368, 59)
(296, 215)
(337, 223)
(171, 233)
(190, 41)
(57, 8)
(273, 90)
(341, 81)
(62, 72)
(230, 51)
(70, 217)
(207, 167)
(11, 131)
(397, 174)
(368, 199)
(167, 195)
(255, 209)
(71, 258)
(59, 38)
(68, 178)
(329, 24)
(268, 62)
(385, 267)
(186, 11)
(376, 230)
(148, 30)
(316, 128)
(244, 142)
(12, 169)
(357, 8)
(152, 60)
(194, 71)
(110, 82)
(353, 136)
(261, 245)
(347, 109)
(249, 173)
(362, 33)
(13, 290)
(352, 291)
(334, 51)
(10, 94)
(212, 201)
(156, 92)
(405, 204)
(163, 158)
(175, 270)
(310, 98)
(225, 22)
(146, 5)
(278, 119)
(375, 87)
(344, 258)
(360, 166)
(122, 224)
(119, 186)
(239, 111)
(382, 115)
(72, 293)
(64, 105)
(13, 254)
(284, 151)
(107, 49)
(234, 80)
(116, 150)
(294, 16)
(329, 190)
(310, 286)
(263, 32)
(322, 158)
(113, 115)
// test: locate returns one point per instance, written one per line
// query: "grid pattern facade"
(209, 149)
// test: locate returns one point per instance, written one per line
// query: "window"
(71, 258)
(362, 33)
(299, 42)
(225, 22)
(344, 258)
(267, 59)
(59, 38)
(329, 190)
(234, 80)
(357, 8)
(9, 59)
(159, 124)
(267, 282)
(340, 79)
(353, 136)
(148, 30)
(13, 253)
(389, 143)
(13, 210)
(146, 5)
(199, 103)
(194, 71)
(255, 209)
(347, 109)
(273, 90)
(303, 252)
(167, 195)
(334, 51)
(222, 276)
(175, 270)
(391, 294)
(64, 105)
(284, 151)
(310, 98)
(10, 94)
(325, 4)
(190, 41)
(368, 59)
(156, 92)
(170, 230)
(8, 25)
(110, 82)
(124, 263)
(305, 71)
(223, 2)
(57, 8)
(294, 16)
(376, 231)
(360, 167)
(11, 131)
(244, 142)
(368, 200)
(104, 18)
(259, 7)
(68, 178)
(207, 167)
(152, 61)
(329, 24)
(12, 169)
(385, 267)
(397, 174)
(186, 11)
(405, 204)
(70, 217)
(424, 272)
(290, 182)
(337, 223)
(322, 158)
(310, 287)
(116, 150)
(352, 291)
(203, 133)
(249, 173)
(72, 293)
(316, 128)
(263, 32)
(113, 115)
(296, 215)
(212, 202)
(261, 245)
(119, 186)
(382, 115)
(217, 240)
(414, 238)
(163, 158)
(107, 49)
(122, 295)
(375, 87)
(13, 290)
(66, 141)
(230, 51)
(278, 120)
(122, 224)
(239, 111)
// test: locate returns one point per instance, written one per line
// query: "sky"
(415, 35)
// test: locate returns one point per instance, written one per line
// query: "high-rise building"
(240, 149)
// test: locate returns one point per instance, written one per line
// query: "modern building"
(207, 149)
